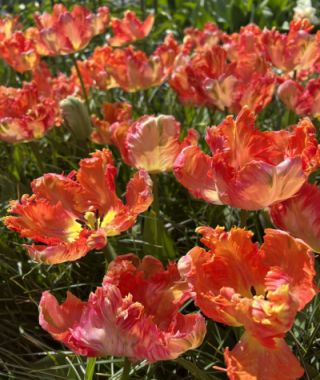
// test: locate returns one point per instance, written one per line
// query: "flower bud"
(76, 117)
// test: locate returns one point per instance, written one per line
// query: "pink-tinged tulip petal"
(71, 215)
(64, 32)
(152, 142)
(237, 283)
(193, 170)
(57, 319)
(259, 184)
(67, 251)
(300, 215)
(130, 29)
(122, 317)
(249, 360)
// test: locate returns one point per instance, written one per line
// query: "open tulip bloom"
(152, 142)
(25, 114)
(129, 29)
(239, 284)
(249, 169)
(71, 215)
(64, 32)
(134, 314)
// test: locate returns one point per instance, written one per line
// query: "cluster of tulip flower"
(135, 313)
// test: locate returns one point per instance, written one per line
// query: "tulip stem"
(143, 8)
(37, 156)
(91, 362)
(155, 204)
(83, 88)
(125, 369)
(243, 218)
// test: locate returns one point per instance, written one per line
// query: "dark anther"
(253, 291)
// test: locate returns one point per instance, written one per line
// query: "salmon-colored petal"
(300, 215)
(62, 252)
(97, 178)
(193, 169)
(258, 185)
(139, 192)
(196, 39)
(139, 197)
(249, 360)
(118, 138)
(41, 221)
(58, 188)
(58, 319)
(295, 259)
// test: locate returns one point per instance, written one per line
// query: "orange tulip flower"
(301, 100)
(249, 169)
(198, 39)
(129, 29)
(239, 284)
(25, 114)
(64, 32)
(71, 215)
(18, 52)
(55, 87)
(300, 215)
(130, 69)
(114, 115)
(134, 314)
(296, 51)
(207, 79)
